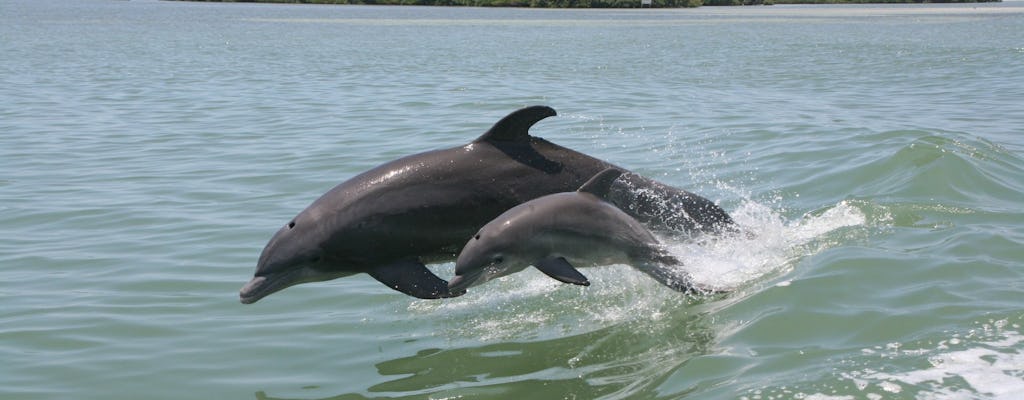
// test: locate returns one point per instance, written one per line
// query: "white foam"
(768, 244)
(991, 368)
(822, 396)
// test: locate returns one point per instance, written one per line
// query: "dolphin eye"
(477, 237)
(499, 259)
(291, 225)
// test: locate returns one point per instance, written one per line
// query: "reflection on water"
(625, 359)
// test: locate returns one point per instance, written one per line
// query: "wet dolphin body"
(558, 233)
(390, 220)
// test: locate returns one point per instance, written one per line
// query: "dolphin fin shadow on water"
(559, 232)
(391, 220)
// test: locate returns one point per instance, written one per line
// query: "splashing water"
(530, 304)
(767, 244)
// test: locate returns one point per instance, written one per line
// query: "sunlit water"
(871, 154)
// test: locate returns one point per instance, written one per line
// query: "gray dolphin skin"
(389, 221)
(558, 233)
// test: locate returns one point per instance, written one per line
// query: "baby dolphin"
(559, 232)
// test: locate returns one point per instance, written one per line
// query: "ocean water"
(148, 150)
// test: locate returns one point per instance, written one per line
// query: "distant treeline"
(594, 3)
(496, 3)
(881, 1)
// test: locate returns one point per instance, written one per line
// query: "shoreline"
(591, 3)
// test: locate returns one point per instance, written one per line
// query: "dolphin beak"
(263, 286)
(250, 293)
(461, 282)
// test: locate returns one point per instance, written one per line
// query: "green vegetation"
(494, 3)
(594, 3)
(880, 1)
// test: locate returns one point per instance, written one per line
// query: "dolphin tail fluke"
(414, 279)
(560, 269)
(677, 280)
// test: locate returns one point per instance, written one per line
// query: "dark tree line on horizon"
(593, 3)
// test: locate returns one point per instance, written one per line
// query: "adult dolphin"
(390, 220)
(560, 232)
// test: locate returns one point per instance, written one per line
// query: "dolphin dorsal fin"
(601, 183)
(515, 127)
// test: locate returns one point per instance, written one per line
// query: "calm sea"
(148, 150)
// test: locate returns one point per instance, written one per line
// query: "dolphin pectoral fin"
(560, 269)
(414, 279)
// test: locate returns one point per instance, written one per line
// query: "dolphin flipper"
(560, 269)
(414, 279)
